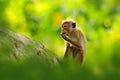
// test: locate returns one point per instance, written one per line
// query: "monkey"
(75, 40)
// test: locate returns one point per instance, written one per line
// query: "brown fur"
(75, 41)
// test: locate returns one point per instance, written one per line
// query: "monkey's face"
(67, 28)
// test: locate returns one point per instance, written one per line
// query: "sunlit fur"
(74, 39)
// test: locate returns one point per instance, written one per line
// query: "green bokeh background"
(41, 21)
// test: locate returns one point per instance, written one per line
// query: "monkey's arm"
(68, 50)
(76, 44)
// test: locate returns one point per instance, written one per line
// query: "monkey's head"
(68, 26)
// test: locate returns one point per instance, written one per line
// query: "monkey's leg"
(68, 51)
(81, 56)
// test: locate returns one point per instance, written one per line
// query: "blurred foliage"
(41, 20)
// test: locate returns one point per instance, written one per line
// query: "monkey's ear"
(74, 25)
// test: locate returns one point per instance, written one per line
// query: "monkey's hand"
(64, 36)
(69, 40)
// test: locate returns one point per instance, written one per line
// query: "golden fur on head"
(68, 21)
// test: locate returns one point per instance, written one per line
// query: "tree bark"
(17, 46)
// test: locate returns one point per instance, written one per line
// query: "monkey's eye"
(64, 26)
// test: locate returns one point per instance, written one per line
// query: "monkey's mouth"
(65, 32)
